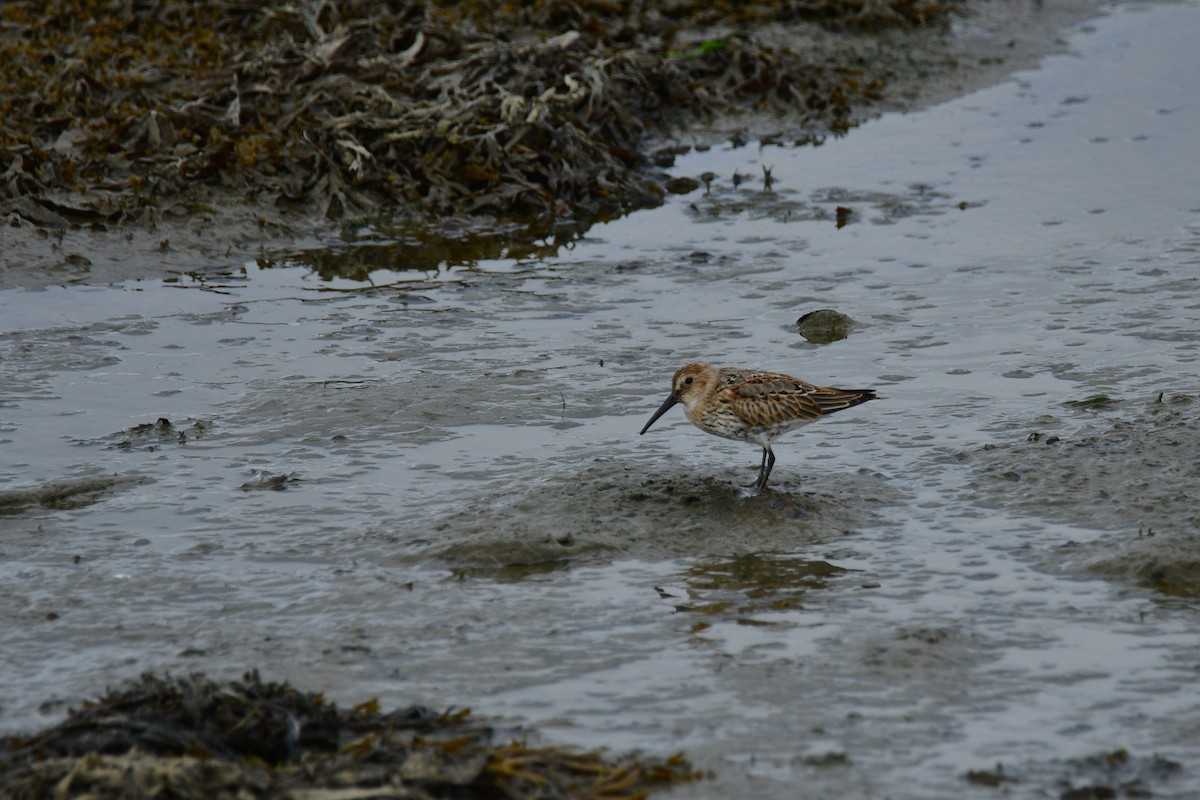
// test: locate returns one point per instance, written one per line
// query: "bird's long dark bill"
(671, 400)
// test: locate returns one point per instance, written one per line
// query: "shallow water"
(433, 489)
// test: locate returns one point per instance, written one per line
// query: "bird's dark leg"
(762, 467)
(764, 470)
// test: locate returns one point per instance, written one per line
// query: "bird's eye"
(687, 381)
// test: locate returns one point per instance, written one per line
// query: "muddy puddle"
(429, 488)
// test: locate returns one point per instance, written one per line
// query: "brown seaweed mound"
(536, 110)
(187, 738)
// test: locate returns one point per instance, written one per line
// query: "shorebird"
(752, 405)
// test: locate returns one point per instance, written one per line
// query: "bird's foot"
(755, 488)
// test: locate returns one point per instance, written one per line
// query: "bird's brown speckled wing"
(768, 398)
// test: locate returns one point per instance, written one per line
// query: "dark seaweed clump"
(190, 737)
(117, 109)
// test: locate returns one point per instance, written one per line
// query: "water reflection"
(420, 247)
(747, 585)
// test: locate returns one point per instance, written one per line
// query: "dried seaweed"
(514, 110)
(189, 737)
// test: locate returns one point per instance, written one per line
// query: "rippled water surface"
(432, 489)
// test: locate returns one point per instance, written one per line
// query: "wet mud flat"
(428, 486)
(1123, 466)
(529, 541)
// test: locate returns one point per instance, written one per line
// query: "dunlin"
(752, 405)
